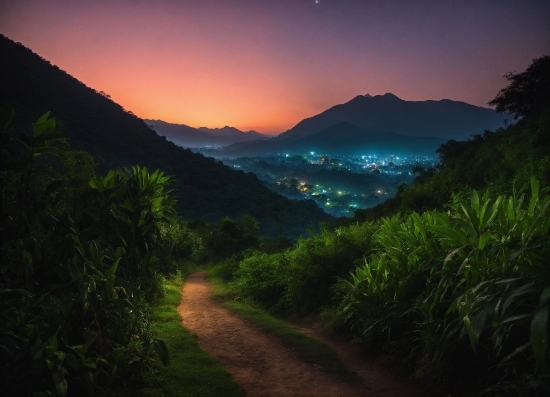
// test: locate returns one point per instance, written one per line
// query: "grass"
(308, 349)
(191, 372)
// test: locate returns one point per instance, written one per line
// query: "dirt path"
(260, 363)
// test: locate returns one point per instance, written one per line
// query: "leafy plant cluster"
(475, 275)
(81, 258)
(299, 279)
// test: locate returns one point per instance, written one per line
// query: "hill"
(205, 188)
(189, 137)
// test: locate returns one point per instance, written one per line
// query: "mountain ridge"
(231, 131)
(190, 137)
(441, 119)
(363, 110)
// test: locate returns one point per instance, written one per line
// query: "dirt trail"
(261, 364)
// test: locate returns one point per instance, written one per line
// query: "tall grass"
(476, 276)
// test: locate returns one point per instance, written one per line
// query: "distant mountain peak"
(389, 95)
(445, 119)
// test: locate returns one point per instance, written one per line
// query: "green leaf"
(544, 296)
(453, 234)
(18, 290)
(162, 351)
(534, 195)
(515, 352)
(43, 126)
(539, 335)
(44, 117)
(484, 239)
(524, 289)
(96, 183)
(6, 118)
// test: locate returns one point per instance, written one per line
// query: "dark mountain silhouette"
(189, 137)
(234, 132)
(380, 114)
(444, 119)
(205, 188)
(348, 139)
(182, 135)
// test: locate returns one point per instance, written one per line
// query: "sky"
(266, 65)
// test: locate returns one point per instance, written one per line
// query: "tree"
(528, 93)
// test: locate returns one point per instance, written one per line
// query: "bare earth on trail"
(260, 363)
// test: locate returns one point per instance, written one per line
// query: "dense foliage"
(477, 275)
(205, 188)
(81, 257)
(527, 94)
(299, 279)
(445, 291)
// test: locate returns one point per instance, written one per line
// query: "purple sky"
(265, 65)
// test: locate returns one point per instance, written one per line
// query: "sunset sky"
(265, 65)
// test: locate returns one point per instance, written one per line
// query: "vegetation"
(475, 275)
(82, 258)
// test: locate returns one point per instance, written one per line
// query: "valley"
(338, 184)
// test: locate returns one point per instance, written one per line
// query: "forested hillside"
(204, 188)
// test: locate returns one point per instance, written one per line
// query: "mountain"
(205, 188)
(189, 137)
(348, 139)
(185, 136)
(234, 132)
(382, 114)
(444, 119)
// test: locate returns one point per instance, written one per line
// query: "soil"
(263, 366)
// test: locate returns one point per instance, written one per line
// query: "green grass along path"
(269, 358)
(192, 372)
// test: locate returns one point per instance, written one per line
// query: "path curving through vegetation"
(260, 362)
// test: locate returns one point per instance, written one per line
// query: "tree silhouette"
(528, 93)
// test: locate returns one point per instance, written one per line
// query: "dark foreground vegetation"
(452, 275)
(83, 269)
